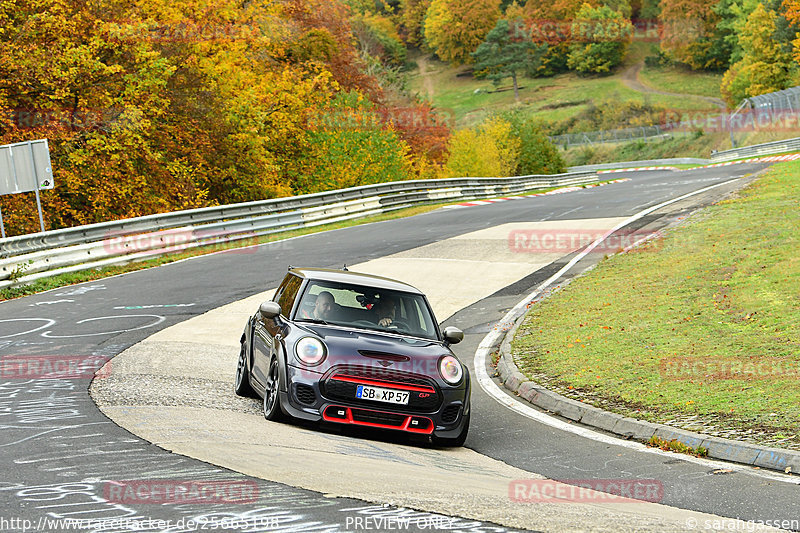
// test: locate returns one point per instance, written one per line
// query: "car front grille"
(382, 419)
(385, 374)
(374, 417)
(342, 383)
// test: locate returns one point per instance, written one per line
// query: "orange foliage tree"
(455, 28)
(152, 106)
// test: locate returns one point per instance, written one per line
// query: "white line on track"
(494, 391)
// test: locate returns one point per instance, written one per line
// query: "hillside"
(553, 99)
(569, 103)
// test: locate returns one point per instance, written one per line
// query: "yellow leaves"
(490, 150)
(448, 34)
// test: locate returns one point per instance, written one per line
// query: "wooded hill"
(155, 106)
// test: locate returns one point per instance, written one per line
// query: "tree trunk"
(516, 88)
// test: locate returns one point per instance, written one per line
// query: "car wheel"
(241, 385)
(272, 399)
(454, 442)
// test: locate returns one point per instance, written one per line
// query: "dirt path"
(427, 80)
(630, 77)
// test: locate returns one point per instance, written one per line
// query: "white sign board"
(25, 167)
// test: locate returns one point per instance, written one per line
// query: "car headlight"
(310, 351)
(450, 369)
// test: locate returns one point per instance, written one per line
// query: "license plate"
(382, 395)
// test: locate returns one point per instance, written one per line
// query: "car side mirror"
(269, 310)
(453, 335)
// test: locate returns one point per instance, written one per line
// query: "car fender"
(279, 348)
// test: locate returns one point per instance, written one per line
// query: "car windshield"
(342, 304)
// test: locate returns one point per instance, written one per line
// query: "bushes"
(351, 145)
(487, 151)
(604, 36)
(507, 145)
(378, 36)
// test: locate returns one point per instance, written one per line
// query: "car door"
(265, 331)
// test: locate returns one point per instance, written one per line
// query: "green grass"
(549, 99)
(679, 146)
(676, 79)
(724, 288)
(683, 146)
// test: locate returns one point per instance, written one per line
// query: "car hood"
(392, 352)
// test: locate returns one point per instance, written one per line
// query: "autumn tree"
(537, 155)
(507, 51)
(690, 35)
(792, 15)
(412, 15)
(765, 66)
(455, 28)
(488, 150)
(601, 36)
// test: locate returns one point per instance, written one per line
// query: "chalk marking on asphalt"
(159, 320)
(494, 391)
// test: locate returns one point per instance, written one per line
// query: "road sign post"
(25, 167)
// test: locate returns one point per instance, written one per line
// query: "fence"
(29, 257)
(644, 133)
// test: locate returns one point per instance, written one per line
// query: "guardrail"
(29, 257)
(770, 148)
(644, 163)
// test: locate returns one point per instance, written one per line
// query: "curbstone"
(669, 433)
(515, 380)
(502, 369)
(731, 450)
(600, 419)
(632, 428)
(543, 398)
(778, 459)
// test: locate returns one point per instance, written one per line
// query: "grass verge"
(700, 329)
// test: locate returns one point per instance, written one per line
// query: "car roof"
(356, 278)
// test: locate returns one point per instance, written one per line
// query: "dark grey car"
(357, 349)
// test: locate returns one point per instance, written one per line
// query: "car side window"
(287, 293)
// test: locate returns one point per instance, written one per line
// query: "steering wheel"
(366, 323)
(399, 324)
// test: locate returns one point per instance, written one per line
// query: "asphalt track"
(59, 451)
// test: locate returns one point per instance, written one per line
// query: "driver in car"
(385, 311)
(322, 307)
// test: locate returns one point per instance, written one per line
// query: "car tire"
(454, 442)
(272, 397)
(241, 384)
